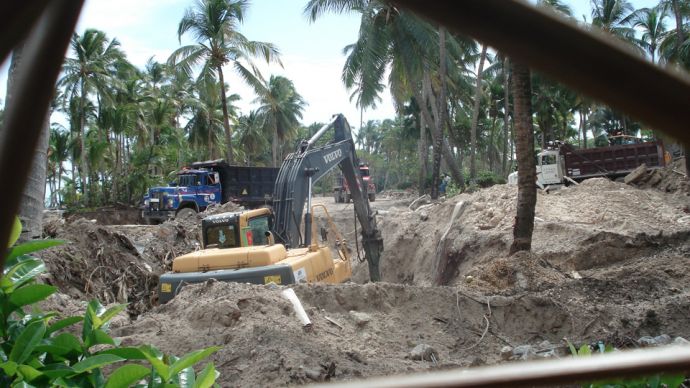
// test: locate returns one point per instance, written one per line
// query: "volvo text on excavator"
(279, 245)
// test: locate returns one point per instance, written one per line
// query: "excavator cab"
(236, 229)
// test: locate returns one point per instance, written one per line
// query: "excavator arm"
(304, 167)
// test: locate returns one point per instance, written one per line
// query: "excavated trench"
(601, 270)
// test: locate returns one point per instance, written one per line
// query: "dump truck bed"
(613, 161)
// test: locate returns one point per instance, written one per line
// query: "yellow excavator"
(278, 245)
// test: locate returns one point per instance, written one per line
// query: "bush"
(35, 350)
(487, 179)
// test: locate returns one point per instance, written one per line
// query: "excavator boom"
(304, 167)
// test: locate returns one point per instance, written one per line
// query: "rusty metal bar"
(584, 60)
(545, 372)
(16, 20)
(25, 114)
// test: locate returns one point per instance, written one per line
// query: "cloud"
(319, 83)
(147, 28)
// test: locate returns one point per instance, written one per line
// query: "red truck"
(341, 192)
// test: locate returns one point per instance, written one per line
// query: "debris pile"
(110, 215)
(671, 178)
(114, 263)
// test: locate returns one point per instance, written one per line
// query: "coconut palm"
(653, 28)
(58, 154)
(393, 38)
(251, 133)
(280, 110)
(89, 73)
(205, 127)
(676, 45)
(527, 191)
(614, 17)
(214, 25)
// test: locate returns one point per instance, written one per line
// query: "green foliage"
(655, 381)
(15, 232)
(488, 178)
(37, 350)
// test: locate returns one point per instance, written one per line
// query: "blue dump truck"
(212, 182)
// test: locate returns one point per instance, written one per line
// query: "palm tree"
(58, 154)
(205, 127)
(475, 116)
(281, 108)
(214, 24)
(651, 23)
(614, 17)
(392, 38)
(252, 135)
(89, 72)
(32, 200)
(527, 190)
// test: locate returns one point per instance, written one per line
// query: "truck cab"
(550, 168)
(341, 191)
(192, 191)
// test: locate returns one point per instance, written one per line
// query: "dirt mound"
(217, 209)
(608, 263)
(670, 179)
(108, 215)
(594, 224)
(397, 194)
(372, 329)
(114, 263)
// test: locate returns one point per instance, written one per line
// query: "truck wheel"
(185, 213)
(372, 197)
(149, 221)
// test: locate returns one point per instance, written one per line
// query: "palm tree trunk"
(84, 171)
(475, 116)
(423, 154)
(226, 119)
(274, 145)
(455, 171)
(527, 190)
(680, 34)
(438, 138)
(584, 130)
(59, 183)
(506, 115)
(32, 200)
(209, 138)
(491, 148)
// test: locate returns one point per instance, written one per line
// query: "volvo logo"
(332, 156)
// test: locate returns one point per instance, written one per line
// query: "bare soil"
(609, 263)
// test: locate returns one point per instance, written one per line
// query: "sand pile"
(596, 223)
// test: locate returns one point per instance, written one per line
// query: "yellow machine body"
(258, 264)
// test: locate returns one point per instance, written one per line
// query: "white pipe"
(290, 295)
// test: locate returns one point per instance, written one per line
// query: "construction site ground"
(608, 263)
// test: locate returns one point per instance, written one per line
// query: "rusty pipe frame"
(17, 18)
(545, 372)
(585, 60)
(33, 91)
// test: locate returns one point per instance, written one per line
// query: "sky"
(311, 53)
